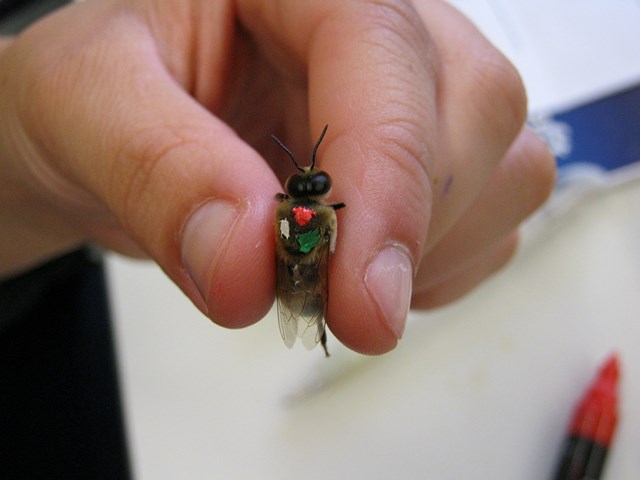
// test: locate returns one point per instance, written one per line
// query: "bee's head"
(311, 183)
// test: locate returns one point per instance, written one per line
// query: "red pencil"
(592, 427)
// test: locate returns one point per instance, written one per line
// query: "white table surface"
(481, 389)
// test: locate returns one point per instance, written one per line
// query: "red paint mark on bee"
(303, 215)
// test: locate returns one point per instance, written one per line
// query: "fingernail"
(388, 279)
(204, 239)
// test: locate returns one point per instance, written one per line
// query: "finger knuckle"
(390, 13)
(146, 158)
(403, 145)
(534, 169)
(500, 90)
(542, 172)
(395, 28)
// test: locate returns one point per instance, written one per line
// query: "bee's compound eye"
(296, 186)
(319, 184)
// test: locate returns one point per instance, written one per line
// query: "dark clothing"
(60, 411)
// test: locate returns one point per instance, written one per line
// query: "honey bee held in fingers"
(305, 228)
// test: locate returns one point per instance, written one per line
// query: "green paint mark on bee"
(308, 240)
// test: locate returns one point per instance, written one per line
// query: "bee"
(305, 229)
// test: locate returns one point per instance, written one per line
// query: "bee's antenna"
(315, 149)
(282, 146)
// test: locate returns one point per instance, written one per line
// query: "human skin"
(144, 126)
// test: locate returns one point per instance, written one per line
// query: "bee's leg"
(323, 342)
(333, 233)
(337, 206)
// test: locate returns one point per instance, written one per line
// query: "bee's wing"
(302, 293)
(287, 320)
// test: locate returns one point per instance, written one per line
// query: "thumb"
(179, 182)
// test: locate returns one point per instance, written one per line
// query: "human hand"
(145, 126)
